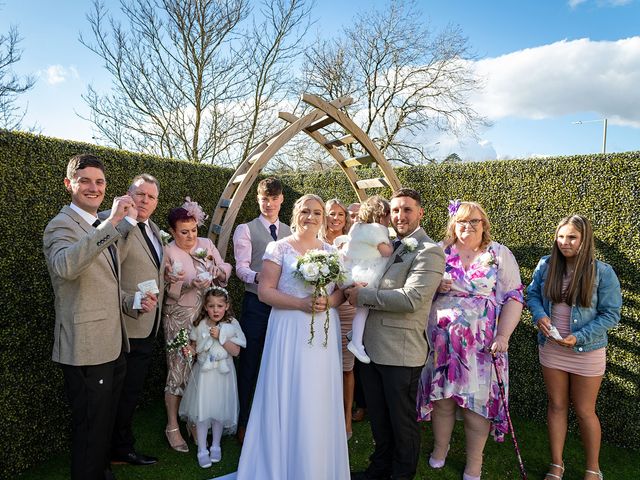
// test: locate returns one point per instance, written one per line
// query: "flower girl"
(365, 257)
(211, 397)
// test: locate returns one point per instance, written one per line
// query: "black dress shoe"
(134, 458)
(364, 476)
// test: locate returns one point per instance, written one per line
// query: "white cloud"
(600, 3)
(575, 3)
(564, 78)
(56, 74)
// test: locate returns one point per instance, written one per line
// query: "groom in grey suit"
(89, 336)
(395, 340)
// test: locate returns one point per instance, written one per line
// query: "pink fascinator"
(453, 207)
(194, 210)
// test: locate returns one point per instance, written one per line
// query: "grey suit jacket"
(399, 308)
(88, 328)
(137, 265)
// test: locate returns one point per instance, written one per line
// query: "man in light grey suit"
(140, 255)
(89, 335)
(395, 340)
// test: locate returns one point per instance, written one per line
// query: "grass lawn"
(500, 461)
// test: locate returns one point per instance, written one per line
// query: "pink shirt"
(242, 249)
(182, 292)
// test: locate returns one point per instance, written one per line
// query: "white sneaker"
(358, 352)
(215, 454)
(203, 459)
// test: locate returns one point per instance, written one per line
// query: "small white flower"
(324, 270)
(410, 244)
(486, 259)
(200, 253)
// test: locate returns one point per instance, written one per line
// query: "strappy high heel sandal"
(178, 447)
(597, 474)
(553, 475)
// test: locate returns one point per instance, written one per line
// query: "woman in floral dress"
(477, 307)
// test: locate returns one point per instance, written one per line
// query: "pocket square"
(398, 259)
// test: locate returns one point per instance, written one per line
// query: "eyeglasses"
(474, 222)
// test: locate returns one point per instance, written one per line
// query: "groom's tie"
(143, 228)
(396, 243)
(111, 248)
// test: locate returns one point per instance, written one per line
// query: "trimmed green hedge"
(524, 200)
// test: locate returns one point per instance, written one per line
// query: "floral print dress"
(461, 329)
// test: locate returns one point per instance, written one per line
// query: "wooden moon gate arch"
(324, 114)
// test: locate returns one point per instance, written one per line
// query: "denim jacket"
(588, 325)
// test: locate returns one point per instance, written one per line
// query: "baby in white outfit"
(366, 251)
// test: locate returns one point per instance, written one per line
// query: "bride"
(296, 428)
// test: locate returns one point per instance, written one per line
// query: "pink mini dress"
(552, 355)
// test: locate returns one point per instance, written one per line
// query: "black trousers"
(254, 321)
(138, 361)
(92, 392)
(390, 392)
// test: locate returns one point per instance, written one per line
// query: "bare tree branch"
(406, 79)
(11, 84)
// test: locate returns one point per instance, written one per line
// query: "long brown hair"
(580, 288)
(215, 291)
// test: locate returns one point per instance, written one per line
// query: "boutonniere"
(410, 244)
(165, 238)
(200, 253)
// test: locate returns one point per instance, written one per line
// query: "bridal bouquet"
(318, 268)
(180, 341)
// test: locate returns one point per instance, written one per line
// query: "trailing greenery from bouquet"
(179, 343)
(319, 268)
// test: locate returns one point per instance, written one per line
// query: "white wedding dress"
(296, 429)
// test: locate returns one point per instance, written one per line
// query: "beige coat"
(137, 266)
(88, 329)
(399, 307)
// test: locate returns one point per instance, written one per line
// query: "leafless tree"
(406, 79)
(188, 79)
(11, 84)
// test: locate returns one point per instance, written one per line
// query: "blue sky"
(546, 64)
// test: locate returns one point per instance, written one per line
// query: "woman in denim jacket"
(574, 300)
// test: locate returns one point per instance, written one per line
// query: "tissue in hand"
(553, 331)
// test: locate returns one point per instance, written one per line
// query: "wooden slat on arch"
(324, 114)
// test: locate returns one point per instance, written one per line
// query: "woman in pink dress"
(191, 263)
(574, 300)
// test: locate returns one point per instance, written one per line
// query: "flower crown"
(194, 210)
(453, 207)
(216, 288)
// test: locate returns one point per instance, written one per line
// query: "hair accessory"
(216, 288)
(453, 207)
(194, 210)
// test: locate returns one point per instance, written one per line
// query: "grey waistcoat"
(260, 237)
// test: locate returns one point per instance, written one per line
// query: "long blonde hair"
(580, 288)
(465, 210)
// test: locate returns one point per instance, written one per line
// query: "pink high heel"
(469, 477)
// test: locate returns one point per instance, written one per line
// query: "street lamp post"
(604, 130)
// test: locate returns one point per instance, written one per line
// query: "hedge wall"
(524, 200)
